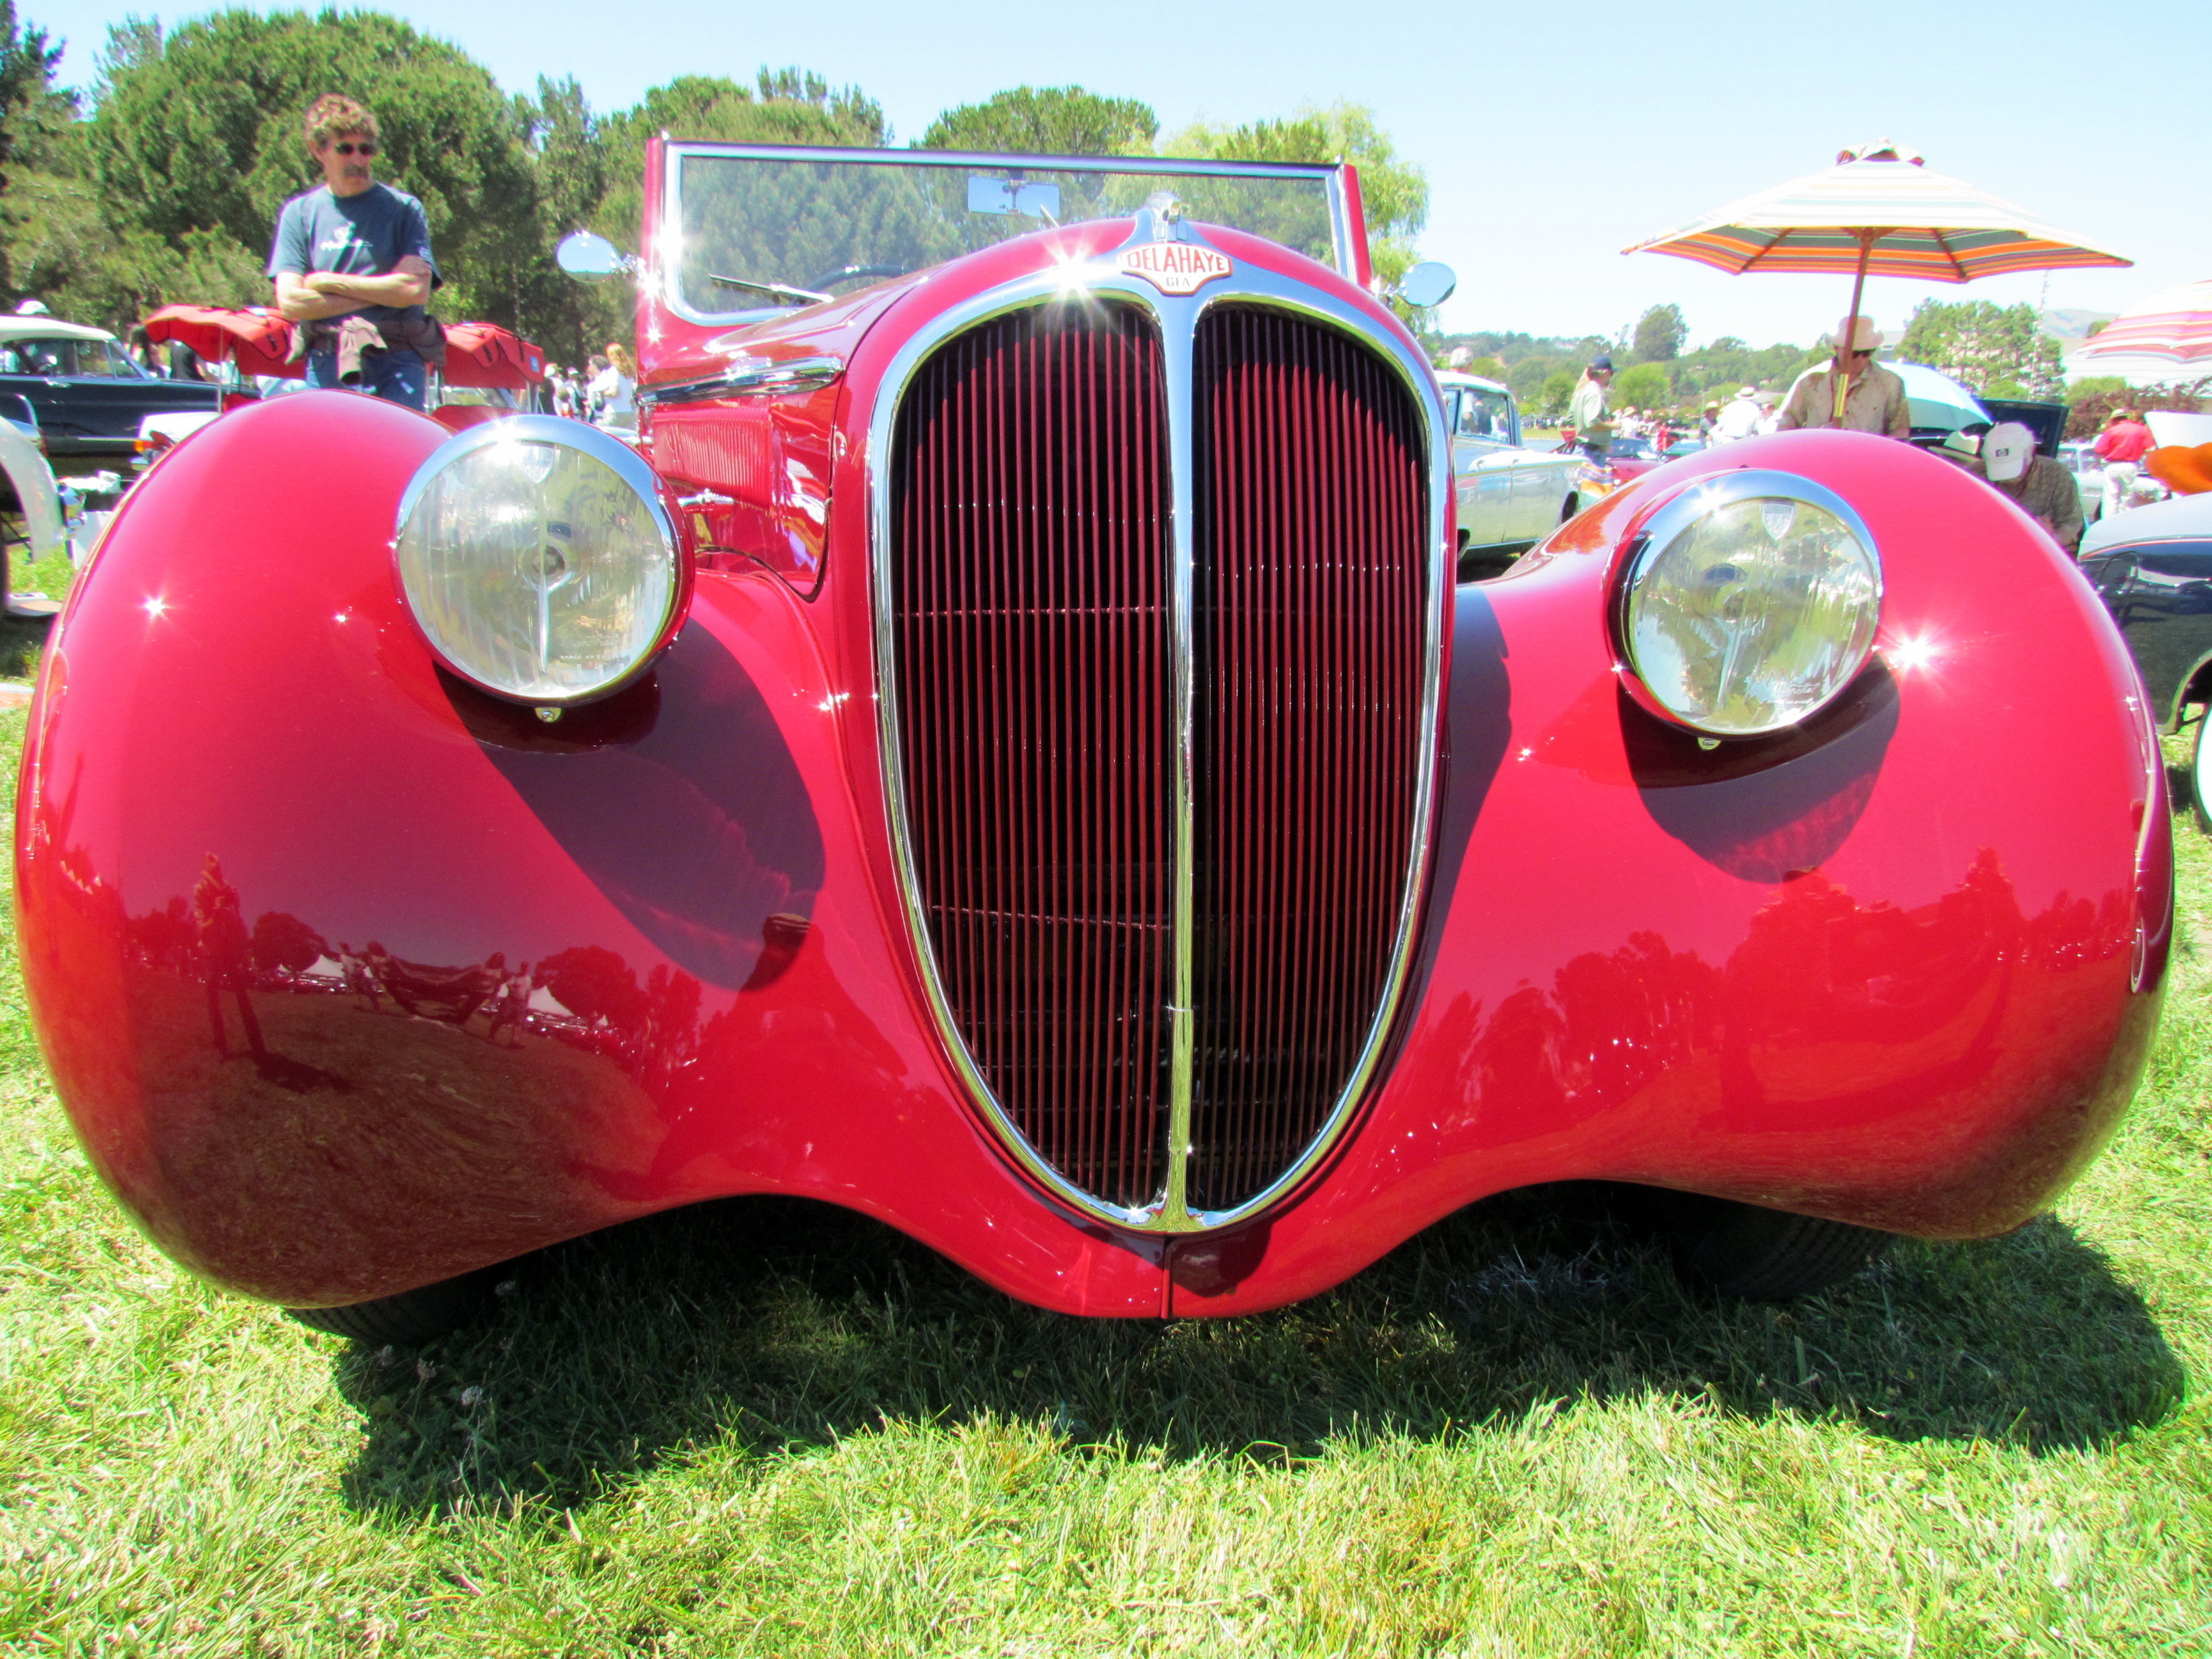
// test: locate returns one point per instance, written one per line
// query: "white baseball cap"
(2006, 451)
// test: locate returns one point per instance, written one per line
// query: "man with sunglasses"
(1874, 398)
(352, 248)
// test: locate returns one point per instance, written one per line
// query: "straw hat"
(2184, 470)
(1864, 336)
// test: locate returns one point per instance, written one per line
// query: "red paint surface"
(1900, 969)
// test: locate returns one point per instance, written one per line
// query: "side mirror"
(1428, 283)
(590, 257)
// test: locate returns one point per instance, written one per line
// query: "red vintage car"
(1004, 752)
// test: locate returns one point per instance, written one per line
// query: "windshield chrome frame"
(1177, 318)
(668, 231)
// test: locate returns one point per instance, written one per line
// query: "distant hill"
(2074, 325)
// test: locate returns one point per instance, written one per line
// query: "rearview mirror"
(589, 257)
(1428, 283)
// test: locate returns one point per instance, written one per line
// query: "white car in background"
(1509, 497)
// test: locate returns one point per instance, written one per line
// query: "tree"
(1395, 194)
(1985, 345)
(1643, 385)
(1527, 376)
(1659, 334)
(196, 143)
(1046, 121)
(1558, 391)
(284, 944)
(2093, 400)
(27, 73)
(782, 106)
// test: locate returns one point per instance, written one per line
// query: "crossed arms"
(321, 294)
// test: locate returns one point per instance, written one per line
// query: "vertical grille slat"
(1314, 588)
(1029, 627)
(1029, 589)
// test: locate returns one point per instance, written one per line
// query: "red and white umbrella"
(2172, 327)
(1878, 211)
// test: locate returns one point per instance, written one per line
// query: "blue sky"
(1552, 136)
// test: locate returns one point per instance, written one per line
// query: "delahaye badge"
(1172, 267)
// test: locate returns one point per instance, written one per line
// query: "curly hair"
(334, 114)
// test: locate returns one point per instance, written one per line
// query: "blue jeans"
(397, 377)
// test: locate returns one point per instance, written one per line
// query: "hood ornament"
(1163, 252)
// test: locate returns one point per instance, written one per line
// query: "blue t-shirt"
(363, 235)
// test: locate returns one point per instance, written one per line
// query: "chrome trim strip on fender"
(757, 378)
(1177, 318)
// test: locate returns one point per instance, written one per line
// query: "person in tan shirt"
(1874, 399)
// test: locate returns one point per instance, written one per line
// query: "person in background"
(2121, 445)
(1591, 412)
(353, 252)
(1874, 397)
(1707, 421)
(2037, 485)
(141, 348)
(1740, 420)
(614, 391)
(1770, 416)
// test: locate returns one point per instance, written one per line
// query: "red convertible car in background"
(1006, 752)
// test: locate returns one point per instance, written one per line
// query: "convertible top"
(259, 342)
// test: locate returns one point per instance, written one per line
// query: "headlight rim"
(1655, 528)
(626, 464)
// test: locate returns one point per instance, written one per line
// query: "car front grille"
(1038, 661)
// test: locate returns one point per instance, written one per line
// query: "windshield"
(758, 228)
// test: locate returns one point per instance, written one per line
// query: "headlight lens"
(538, 559)
(1753, 602)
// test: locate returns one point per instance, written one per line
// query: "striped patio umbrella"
(2175, 327)
(1878, 211)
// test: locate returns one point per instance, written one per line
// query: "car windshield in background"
(761, 229)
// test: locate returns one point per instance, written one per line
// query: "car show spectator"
(1769, 415)
(1740, 420)
(1706, 422)
(2123, 444)
(140, 346)
(1874, 397)
(613, 390)
(1590, 410)
(353, 267)
(2037, 485)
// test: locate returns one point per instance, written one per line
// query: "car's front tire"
(411, 1318)
(1767, 1256)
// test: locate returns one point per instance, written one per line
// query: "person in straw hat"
(1873, 400)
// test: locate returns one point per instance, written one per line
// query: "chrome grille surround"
(1177, 318)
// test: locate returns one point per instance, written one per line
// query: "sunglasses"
(355, 149)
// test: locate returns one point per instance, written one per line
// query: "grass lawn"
(769, 1428)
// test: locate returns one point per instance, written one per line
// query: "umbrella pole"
(1840, 379)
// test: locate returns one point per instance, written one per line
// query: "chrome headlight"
(1751, 603)
(538, 559)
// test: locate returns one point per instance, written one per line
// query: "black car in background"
(89, 393)
(2153, 568)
